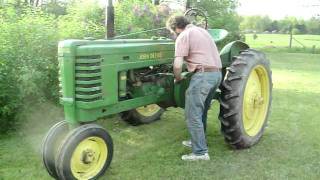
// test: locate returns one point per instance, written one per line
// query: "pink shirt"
(197, 45)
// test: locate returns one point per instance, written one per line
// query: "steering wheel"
(197, 17)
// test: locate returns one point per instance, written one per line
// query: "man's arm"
(181, 50)
(177, 68)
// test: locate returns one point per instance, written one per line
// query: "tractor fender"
(230, 50)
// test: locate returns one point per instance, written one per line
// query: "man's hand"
(178, 80)
(182, 76)
(177, 69)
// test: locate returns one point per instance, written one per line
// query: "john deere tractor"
(134, 78)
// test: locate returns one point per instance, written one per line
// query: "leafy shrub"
(296, 31)
(28, 53)
(9, 101)
(28, 60)
(84, 18)
(135, 16)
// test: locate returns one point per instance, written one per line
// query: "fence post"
(291, 29)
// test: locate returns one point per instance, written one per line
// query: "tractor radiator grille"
(88, 78)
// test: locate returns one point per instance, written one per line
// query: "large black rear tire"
(246, 94)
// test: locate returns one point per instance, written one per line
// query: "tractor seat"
(218, 34)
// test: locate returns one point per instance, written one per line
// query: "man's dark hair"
(177, 22)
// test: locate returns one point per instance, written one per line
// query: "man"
(195, 46)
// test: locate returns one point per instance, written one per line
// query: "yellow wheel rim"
(256, 100)
(89, 158)
(148, 110)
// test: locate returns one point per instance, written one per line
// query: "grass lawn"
(289, 149)
(280, 42)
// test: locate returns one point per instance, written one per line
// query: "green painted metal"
(97, 77)
(230, 50)
(218, 34)
(180, 89)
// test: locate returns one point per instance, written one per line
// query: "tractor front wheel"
(246, 95)
(50, 146)
(86, 153)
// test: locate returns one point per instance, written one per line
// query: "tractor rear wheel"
(143, 115)
(246, 95)
(86, 153)
(50, 146)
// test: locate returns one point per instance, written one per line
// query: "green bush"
(9, 101)
(296, 31)
(28, 60)
(28, 53)
(84, 18)
(135, 16)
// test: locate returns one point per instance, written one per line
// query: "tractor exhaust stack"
(110, 20)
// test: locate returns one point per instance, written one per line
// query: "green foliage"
(264, 23)
(135, 16)
(85, 18)
(28, 62)
(9, 101)
(296, 31)
(313, 26)
(55, 7)
(145, 16)
(221, 13)
(257, 23)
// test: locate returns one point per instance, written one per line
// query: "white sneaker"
(194, 157)
(187, 143)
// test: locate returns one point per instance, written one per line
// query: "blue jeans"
(198, 100)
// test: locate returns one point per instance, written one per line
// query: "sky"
(278, 9)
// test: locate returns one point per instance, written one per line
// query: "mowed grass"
(289, 149)
(280, 42)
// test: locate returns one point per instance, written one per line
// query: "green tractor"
(133, 77)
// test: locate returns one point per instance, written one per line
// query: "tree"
(84, 18)
(274, 26)
(221, 13)
(313, 25)
(256, 23)
(55, 7)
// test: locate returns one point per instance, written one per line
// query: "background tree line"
(31, 29)
(265, 23)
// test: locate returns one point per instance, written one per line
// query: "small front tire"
(51, 144)
(86, 153)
